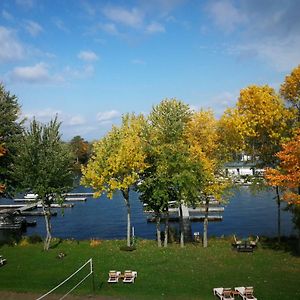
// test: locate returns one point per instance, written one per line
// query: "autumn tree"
(263, 124)
(203, 139)
(10, 132)
(44, 166)
(287, 176)
(172, 174)
(290, 90)
(80, 149)
(117, 161)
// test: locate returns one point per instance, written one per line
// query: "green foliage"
(10, 132)
(44, 164)
(172, 175)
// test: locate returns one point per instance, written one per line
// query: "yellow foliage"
(24, 242)
(95, 243)
(258, 124)
(117, 158)
(203, 138)
(290, 89)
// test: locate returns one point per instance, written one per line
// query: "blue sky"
(91, 61)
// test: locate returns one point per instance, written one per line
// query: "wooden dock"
(36, 213)
(75, 199)
(79, 194)
(56, 205)
(199, 218)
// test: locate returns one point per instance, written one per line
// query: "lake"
(245, 214)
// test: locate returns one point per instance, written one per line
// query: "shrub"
(34, 239)
(95, 243)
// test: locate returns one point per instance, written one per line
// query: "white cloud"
(76, 120)
(6, 15)
(11, 49)
(266, 30)
(33, 28)
(155, 28)
(108, 116)
(88, 56)
(60, 25)
(79, 73)
(109, 28)
(44, 115)
(39, 73)
(130, 17)
(225, 15)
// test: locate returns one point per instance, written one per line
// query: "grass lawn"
(171, 273)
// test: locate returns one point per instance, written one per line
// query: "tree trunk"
(181, 227)
(278, 215)
(126, 198)
(166, 230)
(158, 230)
(205, 225)
(47, 213)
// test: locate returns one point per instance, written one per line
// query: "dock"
(36, 213)
(79, 194)
(56, 205)
(199, 218)
(75, 199)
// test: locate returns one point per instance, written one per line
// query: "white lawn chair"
(223, 293)
(246, 292)
(113, 276)
(2, 261)
(254, 243)
(129, 276)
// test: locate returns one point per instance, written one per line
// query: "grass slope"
(172, 273)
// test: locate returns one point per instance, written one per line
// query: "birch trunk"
(47, 213)
(181, 227)
(166, 230)
(205, 225)
(126, 198)
(158, 230)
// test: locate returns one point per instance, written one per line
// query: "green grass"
(171, 273)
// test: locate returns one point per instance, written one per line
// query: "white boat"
(30, 196)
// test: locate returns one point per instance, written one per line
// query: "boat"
(11, 221)
(30, 196)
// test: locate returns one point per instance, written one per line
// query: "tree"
(10, 132)
(290, 90)
(172, 174)
(203, 139)
(287, 174)
(264, 124)
(80, 149)
(116, 162)
(2, 153)
(44, 167)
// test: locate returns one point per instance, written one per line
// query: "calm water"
(245, 214)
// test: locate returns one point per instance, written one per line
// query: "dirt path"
(31, 296)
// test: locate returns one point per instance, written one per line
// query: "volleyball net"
(73, 281)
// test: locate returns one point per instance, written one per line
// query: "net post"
(93, 278)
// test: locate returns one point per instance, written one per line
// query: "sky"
(89, 62)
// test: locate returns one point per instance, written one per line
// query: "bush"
(34, 239)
